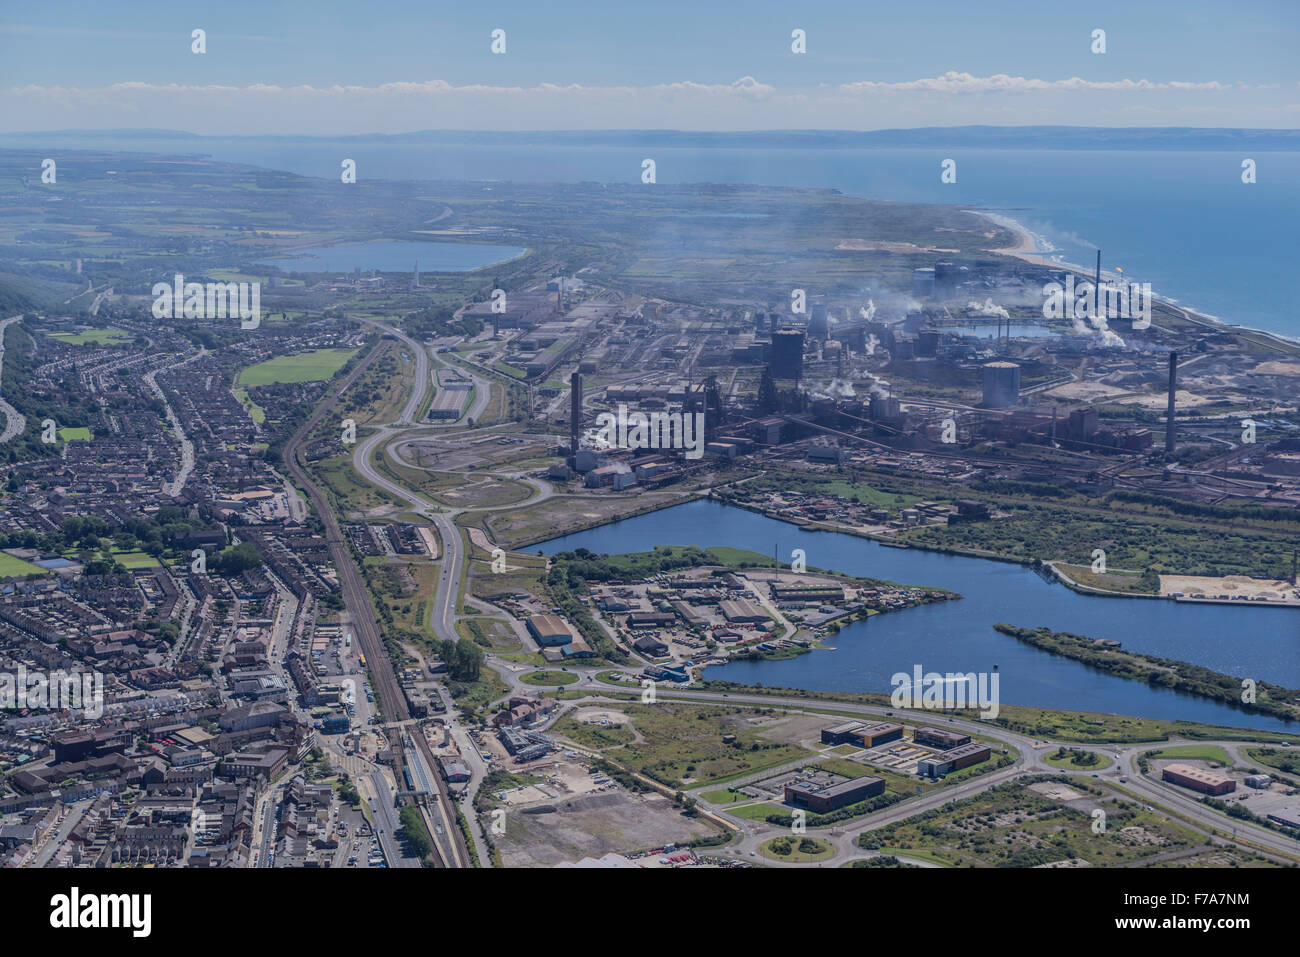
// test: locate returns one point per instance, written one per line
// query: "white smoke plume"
(875, 385)
(988, 308)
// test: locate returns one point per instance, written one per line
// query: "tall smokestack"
(1096, 288)
(1173, 386)
(575, 412)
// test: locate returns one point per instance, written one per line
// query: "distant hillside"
(13, 302)
(933, 137)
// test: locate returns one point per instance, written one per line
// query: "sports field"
(98, 337)
(11, 567)
(135, 559)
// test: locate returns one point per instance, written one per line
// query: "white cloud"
(743, 104)
(955, 82)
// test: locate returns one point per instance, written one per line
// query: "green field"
(304, 367)
(137, 559)
(725, 796)
(98, 337)
(549, 678)
(11, 567)
(75, 433)
(757, 812)
(255, 411)
(1195, 752)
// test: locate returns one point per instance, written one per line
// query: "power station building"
(1001, 385)
(787, 354)
(819, 324)
(946, 277)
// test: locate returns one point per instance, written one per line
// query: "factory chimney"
(575, 413)
(1173, 386)
(1096, 289)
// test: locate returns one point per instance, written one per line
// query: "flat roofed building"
(785, 592)
(1207, 782)
(876, 734)
(447, 404)
(841, 733)
(822, 799)
(650, 619)
(1288, 816)
(940, 738)
(954, 760)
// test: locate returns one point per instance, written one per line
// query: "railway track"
(448, 844)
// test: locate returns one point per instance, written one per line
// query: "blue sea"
(1180, 220)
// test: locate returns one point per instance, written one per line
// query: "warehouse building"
(821, 799)
(954, 760)
(741, 610)
(1207, 782)
(939, 738)
(550, 630)
(651, 619)
(782, 591)
(876, 734)
(647, 645)
(1286, 816)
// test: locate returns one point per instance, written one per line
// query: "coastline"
(1032, 248)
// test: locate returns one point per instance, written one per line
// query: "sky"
(327, 67)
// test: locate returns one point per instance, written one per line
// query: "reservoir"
(958, 636)
(397, 256)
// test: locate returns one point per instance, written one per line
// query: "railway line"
(391, 698)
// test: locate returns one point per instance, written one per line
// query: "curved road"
(15, 421)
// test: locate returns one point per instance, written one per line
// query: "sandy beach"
(1032, 248)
